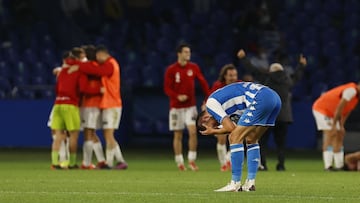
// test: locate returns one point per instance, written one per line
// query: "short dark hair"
(90, 51)
(101, 48)
(180, 47)
(66, 54)
(76, 51)
(199, 123)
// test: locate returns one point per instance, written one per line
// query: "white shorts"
(324, 122)
(90, 117)
(111, 118)
(179, 118)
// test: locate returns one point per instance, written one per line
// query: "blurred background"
(142, 36)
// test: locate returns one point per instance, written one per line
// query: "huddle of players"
(90, 78)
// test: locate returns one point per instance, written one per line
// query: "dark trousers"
(279, 132)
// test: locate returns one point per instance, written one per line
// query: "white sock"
(328, 158)
(191, 156)
(339, 159)
(118, 154)
(110, 157)
(62, 152)
(99, 152)
(67, 147)
(87, 152)
(221, 152)
(228, 156)
(179, 159)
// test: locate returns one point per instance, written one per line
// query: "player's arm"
(338, 112)
(227, 127)
(248, 65)
(105, 69)
(169, 85)
(203, 83)
(89, 89)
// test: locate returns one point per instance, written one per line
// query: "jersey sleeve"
(203, 83)
(169, 84)
(215, 110)
(105, 69)
(348, 93)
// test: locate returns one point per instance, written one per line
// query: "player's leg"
(72, 122)
(221, 150)
(87, 148)
(99, 151)
(323, 124)
(338, 150)
(57, 125)
(236, 139)
(280, 131)
(111, 121)
(73, 143)
(253, 156)
(59, 137)
(177, 125)
(190, 122)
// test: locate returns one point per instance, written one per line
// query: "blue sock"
(237, 158)
(253, 158)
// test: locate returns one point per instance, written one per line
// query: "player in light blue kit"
(258, 106)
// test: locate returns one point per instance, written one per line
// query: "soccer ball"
(64, 164)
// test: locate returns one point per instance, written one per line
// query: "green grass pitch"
(25, 176)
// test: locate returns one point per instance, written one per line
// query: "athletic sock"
(328, 156)
(110, 156)
(192, 156)
(253, 160)
(62, 152)
(221, 152)
(87, 152)
(54, 157)
(72, 159)
(99, 152)
(339, 159)
(118, 154)
(237, 158)
(179, 159)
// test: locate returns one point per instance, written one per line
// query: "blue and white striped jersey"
(232, 99)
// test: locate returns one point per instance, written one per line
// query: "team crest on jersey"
(190, 73)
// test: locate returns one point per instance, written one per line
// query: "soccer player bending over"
(258, 106)
(331, 110)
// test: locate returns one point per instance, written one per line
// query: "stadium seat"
(143, 126)
(162, 126)
(154, 59)
(221, 59)
(151, 77)
(5, 85)
(332, 7)
(20, 80)
(27, 94)
(47, 94)
(39, 80)
(317, 89)
(5, 70)
(164, 45)
(312, 6)
(29, 56)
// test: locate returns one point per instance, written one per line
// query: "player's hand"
(182, 97)
(102, 90)
(208, 130)
(302, 60)
(241, 54)
(73, 68)
(56, 71)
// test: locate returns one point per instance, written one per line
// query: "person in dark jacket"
(277, 79)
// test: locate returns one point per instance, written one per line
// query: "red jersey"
(181, 80)
(69, 87)
(110, 79)
(93, 81)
